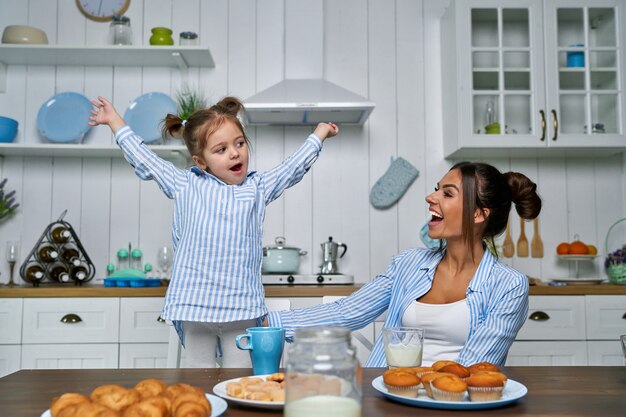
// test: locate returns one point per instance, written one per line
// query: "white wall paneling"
(388, 51)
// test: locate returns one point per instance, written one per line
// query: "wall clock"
(102, 10)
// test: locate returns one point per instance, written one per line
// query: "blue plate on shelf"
(64, 117)
(145, 113)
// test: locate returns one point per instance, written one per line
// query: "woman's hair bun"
(524, 194)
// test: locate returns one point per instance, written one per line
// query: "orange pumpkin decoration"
(578, 248)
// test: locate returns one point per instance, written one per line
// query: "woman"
(470, 304)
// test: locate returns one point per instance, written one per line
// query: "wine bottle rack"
(72, 242)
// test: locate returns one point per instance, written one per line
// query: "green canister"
(161, 36)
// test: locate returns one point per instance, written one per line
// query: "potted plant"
(189, 101)
(7, 202)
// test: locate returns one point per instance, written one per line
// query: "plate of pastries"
(259, 391)
(148, 398)
(449, 385)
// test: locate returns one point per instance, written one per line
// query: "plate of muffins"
(449, 385)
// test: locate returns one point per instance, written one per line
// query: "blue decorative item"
(64, 117)
(576, 59)
(144, 115)
(393, 184)
(8, 129)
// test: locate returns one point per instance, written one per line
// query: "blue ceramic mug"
(266, 348)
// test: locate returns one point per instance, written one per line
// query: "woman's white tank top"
(446, 328)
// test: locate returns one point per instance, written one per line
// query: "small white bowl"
(24, 34)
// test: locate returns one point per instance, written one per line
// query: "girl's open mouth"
(236, 168)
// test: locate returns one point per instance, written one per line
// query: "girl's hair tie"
(184, 122)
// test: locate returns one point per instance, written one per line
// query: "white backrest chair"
(361, 339)
(174, 350)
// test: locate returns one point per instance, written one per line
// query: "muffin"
(498, 375)
(448, 388)
(422, 370)
(401, 381)
(427, 379)
(483, 366)
(484, 387)
(456, 369)
(440, 364)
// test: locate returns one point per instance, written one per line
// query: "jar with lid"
(161, 36)
(135, 259)
(120, 32)
(188, 39)
(323, 374)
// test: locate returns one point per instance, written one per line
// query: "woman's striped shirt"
(497, 297)
(217, 231)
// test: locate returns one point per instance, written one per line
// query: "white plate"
(513, 391)
(220, 390)
(218, 406)
(145, 113)
(580, 281)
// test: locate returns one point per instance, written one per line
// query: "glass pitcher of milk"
(323, 375)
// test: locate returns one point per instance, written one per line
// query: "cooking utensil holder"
(615, 270)
(73, 240)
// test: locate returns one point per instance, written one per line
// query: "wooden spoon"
(536, 245)
(508, 247)
(522, 242)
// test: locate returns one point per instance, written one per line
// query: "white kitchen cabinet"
(11, 321)
(141, 322)
(606, 316)
(547, 353)
(554, 318)
(10, 358)
(71, 320)
(70, 356)
(533, 78)
(143, 355)
(605, 353)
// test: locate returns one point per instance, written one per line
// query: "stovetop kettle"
(330, 251)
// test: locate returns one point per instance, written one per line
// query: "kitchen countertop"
(552, 391)
(60, 290)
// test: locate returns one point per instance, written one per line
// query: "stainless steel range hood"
(307, 102)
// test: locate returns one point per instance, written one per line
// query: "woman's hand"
(105, 114)
(326, 130)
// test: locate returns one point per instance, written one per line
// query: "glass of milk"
(403, 346)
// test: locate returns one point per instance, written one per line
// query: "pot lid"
(281, 244)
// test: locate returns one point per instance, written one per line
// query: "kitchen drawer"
(46, 320)
(10, 321)
(547, 354)
(605, 353)
(606, 316)
(143, 355)
(554, 318)
(70, 356)
(140, 321)
(9, 359)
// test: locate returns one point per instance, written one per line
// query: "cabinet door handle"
(555, 124)
(543, 125)
(160, 319)
(624, 316)
(71, 318)
(539, 316)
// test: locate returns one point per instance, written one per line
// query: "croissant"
(114, 396)
(68, 399)
(150, 387)
(175, 390)
(88, 409)
(192, 397)
(144, 409)
(191, 409)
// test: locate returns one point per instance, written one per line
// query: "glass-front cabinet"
(533, 78)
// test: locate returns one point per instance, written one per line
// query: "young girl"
(215, 291)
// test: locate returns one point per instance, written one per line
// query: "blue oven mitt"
(393, 184)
